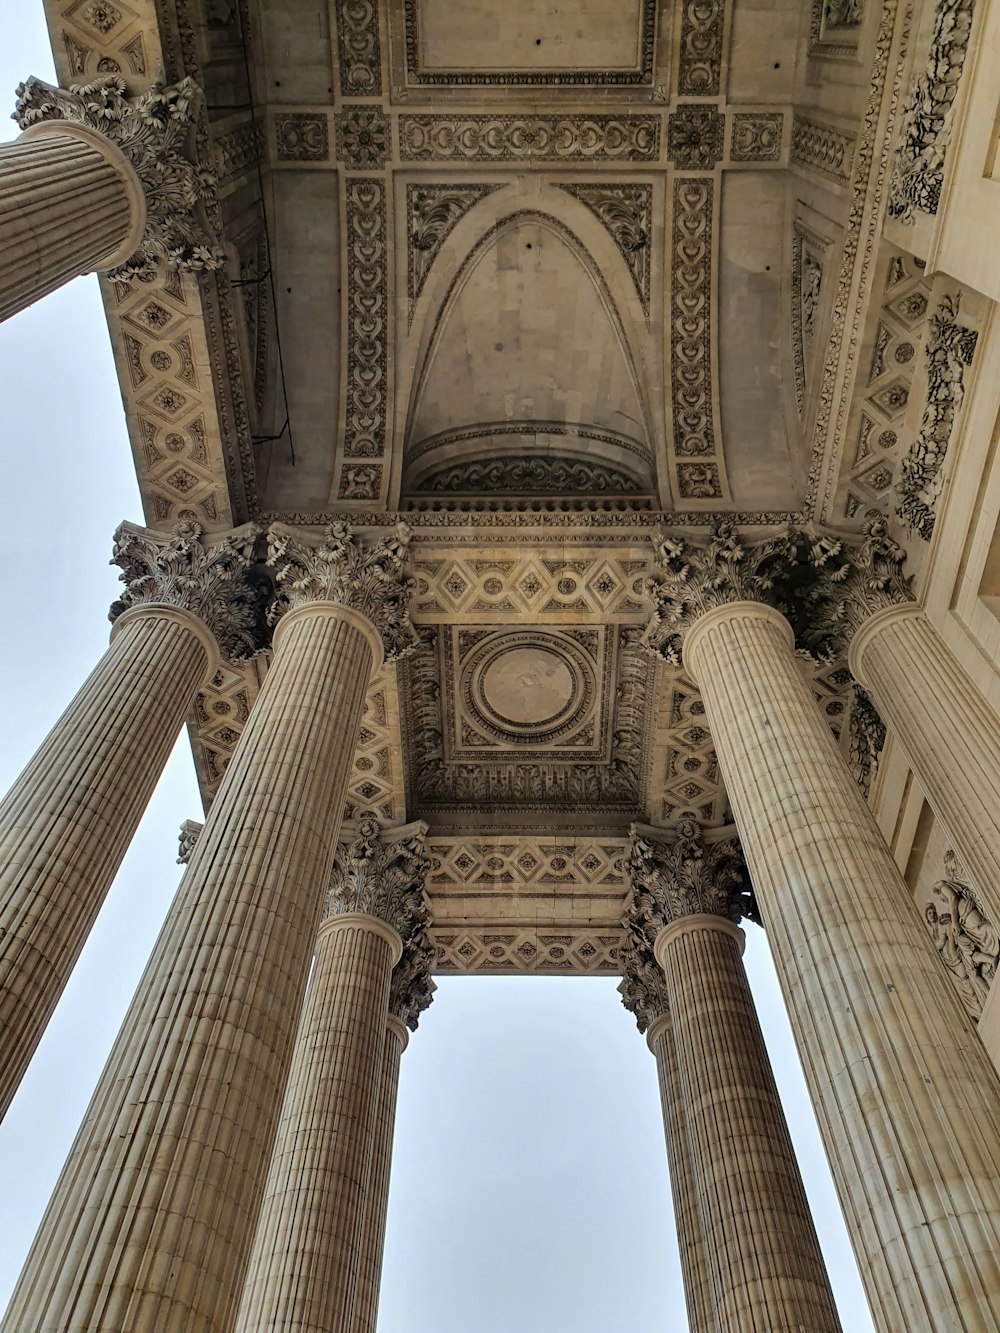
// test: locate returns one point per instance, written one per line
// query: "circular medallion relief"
(527, 686)
(530, 687)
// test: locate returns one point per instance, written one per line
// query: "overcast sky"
(529, 1188)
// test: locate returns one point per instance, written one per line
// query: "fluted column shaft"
(303, 1270)
(68, 820)
(150, 1224)
(762, 1254)
(683, 1188)
(70, 203)
(948, 730)
(377, 1202)
(907, 1100)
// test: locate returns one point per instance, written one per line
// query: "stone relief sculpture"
(918, 172)
(968, 944)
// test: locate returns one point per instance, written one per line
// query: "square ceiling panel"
(461, 42)
(514, 725)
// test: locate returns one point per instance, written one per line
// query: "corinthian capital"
(210, 577)
(337, 567)
(643, 988)
(382, 874)
(783, 572)
(155, 134)
(685, 872)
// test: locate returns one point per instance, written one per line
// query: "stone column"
(410, 992)
(99, 181)
(151, 1222)
(68, 820)
(949, 731)
(644, 994)
(761, 1251)
(907, 1100)
(305, 1262)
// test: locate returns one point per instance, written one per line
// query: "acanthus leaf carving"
(381, 874)
(337, 567)
(210, 577)
(867, 736)
(155, 133)
(432, 212)
(412, 987)
(626, 213)
(679, 873)
(643, 987)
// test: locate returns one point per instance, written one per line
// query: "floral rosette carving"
(338, 568)
(213, 579)
(155, 133)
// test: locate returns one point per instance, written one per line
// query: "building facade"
(566, 443)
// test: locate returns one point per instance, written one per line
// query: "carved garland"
(925, 128)
(367, 336)
(950, 349)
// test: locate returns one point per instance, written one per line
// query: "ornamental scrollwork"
(211, 577)
(432, 213)
(626, 213)
(867, 736)
(950, 348)
(525, 475)
(337, 567)
(155, 133)
(383, 876)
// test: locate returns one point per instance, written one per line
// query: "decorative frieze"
(807, 282)
(699, 72)
(950, 348)
(154, 132)
(367, 336)
(553, 138)
(302, 136)
(756, 136)
(493, 952)
(358, 47)
(968, 942)
(925, 124)
(692, 341)
(546, 474)
(382, 874)
(210, 577)
(823, 148)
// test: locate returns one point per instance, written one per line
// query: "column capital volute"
(364, 921)
(689, 925)
(210, 577)
(380, 873)
(155, 134)
(335, 567)
(686, 871)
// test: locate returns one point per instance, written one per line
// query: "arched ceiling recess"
(526, 381)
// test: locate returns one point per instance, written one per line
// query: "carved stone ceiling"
(544, 278)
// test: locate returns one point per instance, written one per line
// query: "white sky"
(529, 1186)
